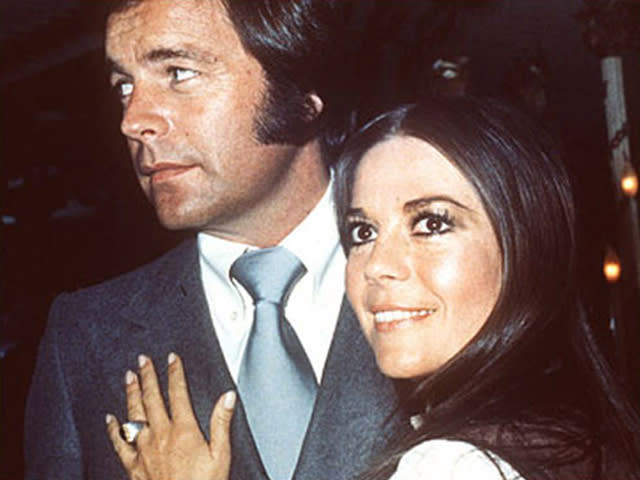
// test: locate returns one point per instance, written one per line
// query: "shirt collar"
(219, 254)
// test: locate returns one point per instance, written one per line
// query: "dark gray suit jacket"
(93, 336)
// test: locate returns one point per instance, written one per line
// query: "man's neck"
(288, 205)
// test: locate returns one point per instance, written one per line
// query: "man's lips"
(388, 318)
(165, 171)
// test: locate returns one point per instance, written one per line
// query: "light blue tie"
(276, 382)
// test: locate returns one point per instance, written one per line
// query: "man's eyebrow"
(114, 67)
(418, 203)
(161, 54)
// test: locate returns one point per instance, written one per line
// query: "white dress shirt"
(313, 305)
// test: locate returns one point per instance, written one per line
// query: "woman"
(530, 385)
(458, 224)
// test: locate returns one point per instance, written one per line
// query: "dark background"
(72, 213)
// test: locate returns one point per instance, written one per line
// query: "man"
(228, 118)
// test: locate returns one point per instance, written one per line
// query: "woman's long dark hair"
(532, 385)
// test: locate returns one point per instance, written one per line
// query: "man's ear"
(313, 106)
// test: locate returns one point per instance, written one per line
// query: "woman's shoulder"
(441, 459)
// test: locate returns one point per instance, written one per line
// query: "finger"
(179, 400)
(126, 452)
(135, 407)
(151, 395)
(219, 430)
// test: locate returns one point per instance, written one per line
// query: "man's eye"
(182, 74)
(433, 224)
(123, 88)
(126, 89)
(362, 233)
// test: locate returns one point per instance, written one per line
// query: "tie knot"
(268, 274)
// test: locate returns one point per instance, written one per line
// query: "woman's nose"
(388, 259)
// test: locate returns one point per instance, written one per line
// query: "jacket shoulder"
(122, 290)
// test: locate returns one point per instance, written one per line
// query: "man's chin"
(192, 219)
(176, 222)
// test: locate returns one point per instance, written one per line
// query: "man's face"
(190, 95)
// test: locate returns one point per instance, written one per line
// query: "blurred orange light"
(629, 181)
(611, 267)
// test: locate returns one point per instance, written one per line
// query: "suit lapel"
(210, 377)
(353, 417)
(168, 313)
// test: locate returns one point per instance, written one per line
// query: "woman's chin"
(402, 368)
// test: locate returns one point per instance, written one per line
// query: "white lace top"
(452, 460)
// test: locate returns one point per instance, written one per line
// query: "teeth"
(395, 315)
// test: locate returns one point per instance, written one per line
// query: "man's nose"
(144, 117)
(388, 260)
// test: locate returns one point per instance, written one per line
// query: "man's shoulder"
(120, 290)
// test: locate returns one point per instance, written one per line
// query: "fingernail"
(109, 418)
(172, 358)
(142, 361)
(229, 400)
(129, 377)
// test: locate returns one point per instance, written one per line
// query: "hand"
(172, 447)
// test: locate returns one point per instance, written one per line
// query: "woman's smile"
(388, 318)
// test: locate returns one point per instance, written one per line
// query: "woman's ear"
(313, 106)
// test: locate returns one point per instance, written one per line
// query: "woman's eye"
(362, 233)
(433, 224)
(182, 74)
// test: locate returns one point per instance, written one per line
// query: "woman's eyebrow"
(355, 212)
(418, 203)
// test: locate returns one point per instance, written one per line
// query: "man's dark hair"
(302, 48)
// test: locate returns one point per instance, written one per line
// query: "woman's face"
(424, 270)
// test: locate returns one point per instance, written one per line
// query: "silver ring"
(130, 430)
